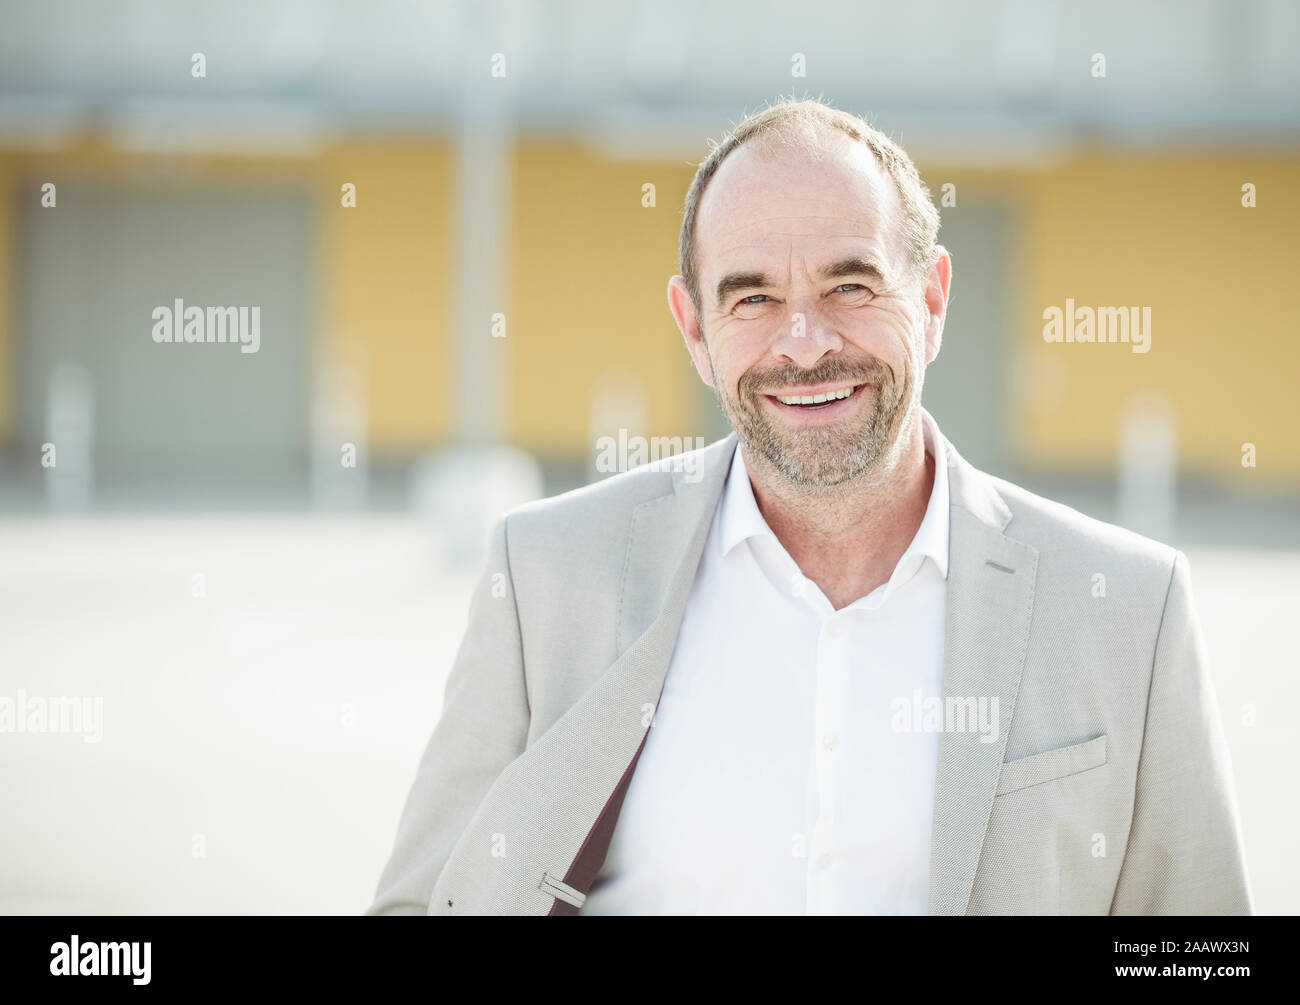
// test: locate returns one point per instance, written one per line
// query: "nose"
(806, 336)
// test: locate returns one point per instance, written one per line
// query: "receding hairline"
(772, 148)
(817, 130)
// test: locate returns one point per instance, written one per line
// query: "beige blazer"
(1109, 789)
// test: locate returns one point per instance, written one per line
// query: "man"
(841, 671)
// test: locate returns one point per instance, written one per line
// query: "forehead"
(772, 207)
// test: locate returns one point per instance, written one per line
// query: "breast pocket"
(1051, 765)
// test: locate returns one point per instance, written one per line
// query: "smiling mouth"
(819, 400)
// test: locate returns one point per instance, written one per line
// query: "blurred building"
(503, 258)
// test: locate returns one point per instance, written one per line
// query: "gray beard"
(819, 457)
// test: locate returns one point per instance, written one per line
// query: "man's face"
(805, 294)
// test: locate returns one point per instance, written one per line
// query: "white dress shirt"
(776, 779)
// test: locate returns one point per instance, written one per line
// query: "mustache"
(871, 371)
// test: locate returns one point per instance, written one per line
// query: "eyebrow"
(854, 266)
(735, 282)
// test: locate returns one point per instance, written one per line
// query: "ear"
(688, 323)
(937, 284)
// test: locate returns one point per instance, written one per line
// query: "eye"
(851, 288)
(751, 307)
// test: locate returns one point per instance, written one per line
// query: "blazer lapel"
(666, 538)
(991, 581)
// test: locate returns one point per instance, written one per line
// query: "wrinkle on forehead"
(785, 241)
(762, 251)
(790, 181)
(869, 227)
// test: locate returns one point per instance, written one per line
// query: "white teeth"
(814, 399)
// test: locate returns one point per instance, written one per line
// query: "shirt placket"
(827, 758)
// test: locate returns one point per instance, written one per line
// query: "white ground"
(276, 723)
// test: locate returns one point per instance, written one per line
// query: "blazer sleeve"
(1185, 853)
(483, 727)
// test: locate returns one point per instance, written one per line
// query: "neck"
(849, 537)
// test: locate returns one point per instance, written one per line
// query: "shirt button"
(828, 741)
(835, 629)
(823, 861)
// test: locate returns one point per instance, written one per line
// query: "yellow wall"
(1167, 232)
(588, 265)
(589, 278)
(389, 281)
(384, 282)
(8, 308)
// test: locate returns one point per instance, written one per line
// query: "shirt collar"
(740, 518)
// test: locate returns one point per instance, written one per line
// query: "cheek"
(883, 334)
(736, 352)
(730, 370)
(907, 332)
